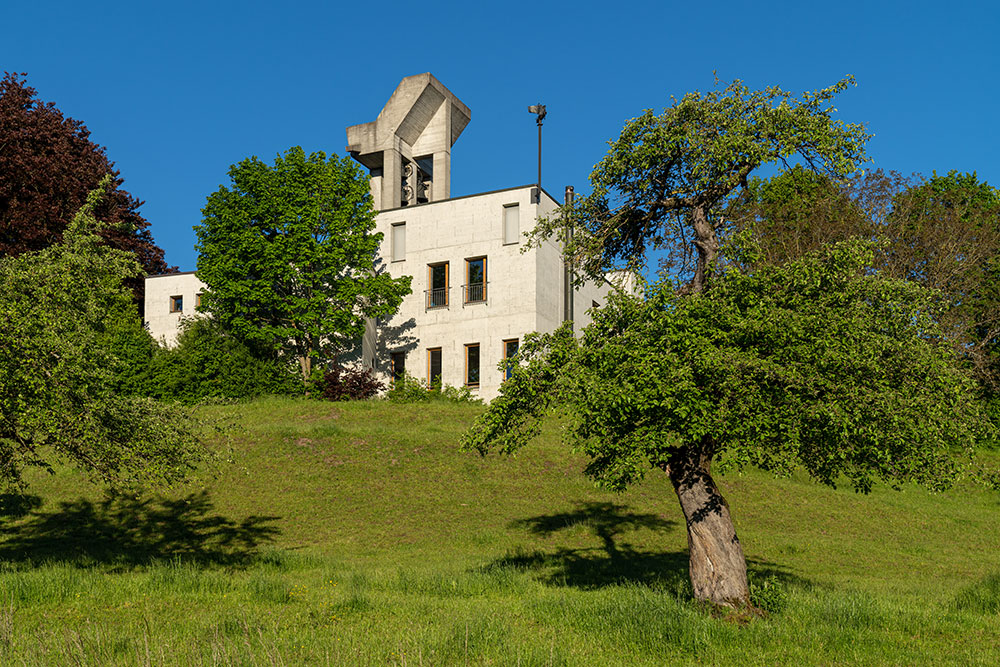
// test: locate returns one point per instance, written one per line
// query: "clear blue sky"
(178, 91)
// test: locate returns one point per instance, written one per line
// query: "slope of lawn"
(357, 533)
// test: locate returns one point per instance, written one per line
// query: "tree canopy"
(818, 361)
(288, 255)
(668, 176)
(48, 164)
(942, 232)
(63, 312)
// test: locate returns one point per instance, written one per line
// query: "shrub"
(209, 363)
(348, 384)
(768, 593)
(409, 389)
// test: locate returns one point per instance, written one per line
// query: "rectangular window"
(399, 242)
(475, 279)
(437, 281)
(472, 365)
(511, 224)
(397, 363)
(177, 304)
(197, 300)
(434, 368)
(509, 352)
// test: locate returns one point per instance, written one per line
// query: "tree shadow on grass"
(122, 531)
(615, 562)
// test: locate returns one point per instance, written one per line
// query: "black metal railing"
(437, 298)
(474, 293)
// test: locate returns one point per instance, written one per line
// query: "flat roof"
(477, 194)
(175, 273)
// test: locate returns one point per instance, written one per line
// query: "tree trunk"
(718, 567)
(707, 244)
(305, 365)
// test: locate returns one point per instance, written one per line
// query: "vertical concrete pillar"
(441, 183)
(391, 179)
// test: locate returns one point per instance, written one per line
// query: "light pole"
(539, 111)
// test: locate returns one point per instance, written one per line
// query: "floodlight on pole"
(539, 111)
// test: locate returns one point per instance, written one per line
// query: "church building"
(475, 293)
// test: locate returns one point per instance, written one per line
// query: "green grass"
(358, 534)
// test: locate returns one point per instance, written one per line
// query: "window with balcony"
(177, 304)
(511, 224)
(434, 368)
(399, 242)
(475, 280)
(437, 282)
(472, 365)
(509, 352)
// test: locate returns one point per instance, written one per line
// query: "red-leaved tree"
(48, 164)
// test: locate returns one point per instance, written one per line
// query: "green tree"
(795, 212)
(63, 310)
(815, 362)
(666, 181)
(288, 253)
(942, 232)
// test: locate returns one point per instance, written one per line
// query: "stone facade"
(170, 298)
(522, 292)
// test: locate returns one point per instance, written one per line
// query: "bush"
(209, 363)
(768, 593)
(348, 384)
(409, 389)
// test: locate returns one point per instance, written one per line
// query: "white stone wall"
(163, 324)
(524, 291)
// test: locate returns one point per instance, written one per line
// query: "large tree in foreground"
(64, 314)
(48, 164)
(817, 363)
(814, 363)
(288, 254)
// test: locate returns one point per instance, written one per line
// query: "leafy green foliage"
(62, 311)
(667, 177)
(768, 594)
(796, 212)
(818, 363)
(287, 253)
(945, 233)
(409, 389)
(208, 362)
(942, 232)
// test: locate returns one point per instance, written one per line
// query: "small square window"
(177, 304)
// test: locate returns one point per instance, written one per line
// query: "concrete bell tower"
(407, 149)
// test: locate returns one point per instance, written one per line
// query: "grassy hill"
(358, 534)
